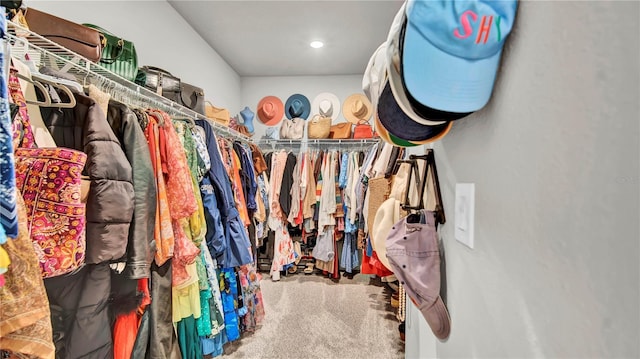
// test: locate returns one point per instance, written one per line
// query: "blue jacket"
(221, 213)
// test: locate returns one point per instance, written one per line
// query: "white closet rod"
(323, 144)
(44, 51)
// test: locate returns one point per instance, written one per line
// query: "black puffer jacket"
(125, 125)
(110, 202)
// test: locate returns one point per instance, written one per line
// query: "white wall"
(255, 88)
(162, 38)
(555, 160)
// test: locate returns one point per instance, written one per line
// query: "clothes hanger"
(67, 91)
(157, 115)
(39, 86)
(189, 120)
(37, 75)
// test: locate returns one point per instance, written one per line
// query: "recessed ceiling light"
(316, 44)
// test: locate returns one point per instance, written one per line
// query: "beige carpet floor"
(309, 316)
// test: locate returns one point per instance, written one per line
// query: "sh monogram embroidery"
(483, 30)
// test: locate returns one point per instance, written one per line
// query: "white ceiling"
(271, 38)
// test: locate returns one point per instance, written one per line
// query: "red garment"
(125, 328)
(163, 231)
(372, 265)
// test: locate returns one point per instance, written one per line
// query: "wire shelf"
(323, 144)
(45, 52)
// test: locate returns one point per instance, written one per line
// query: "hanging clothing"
(163, 342)
(217, 316)
(350, 258)
(204, 161)
(80, 312)
(215, 236)
(8, 210)
(110, 203)
(124, 124)
(252, 296)
(282, 249)
(229, 289)
(25, 321)
(295, 191)
(237, 246)
(163, 230)
(257, 156)
(339, 212)
(127, 325)
(287, 184)
(309, 202)
(188, 231)
(247, 176)
(212, 344)
(182, 202)
(278, 163)
(328, 194)
(324, 248)
(22, 132)
(188, 339)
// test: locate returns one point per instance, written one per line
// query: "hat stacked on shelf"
(438, 65)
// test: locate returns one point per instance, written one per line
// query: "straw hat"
(270, 110)
(356, 108)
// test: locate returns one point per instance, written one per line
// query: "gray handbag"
(167, 85)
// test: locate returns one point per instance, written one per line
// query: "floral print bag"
(49, 180)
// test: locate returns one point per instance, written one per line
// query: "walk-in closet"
(319, 179)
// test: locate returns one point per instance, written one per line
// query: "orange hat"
(270, 110)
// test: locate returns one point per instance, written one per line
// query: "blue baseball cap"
(451, 51)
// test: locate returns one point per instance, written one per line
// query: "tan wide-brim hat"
(356, 108)
(270, 110)
(388, 214)
(326, 104)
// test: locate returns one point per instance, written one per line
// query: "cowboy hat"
(356, 108)
(270, 110)
(297, 106)
(327, 105)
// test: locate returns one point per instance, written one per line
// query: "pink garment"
(182, 200)
(278, 162)
(185, 253)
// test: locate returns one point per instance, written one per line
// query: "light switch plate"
(465, 211)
